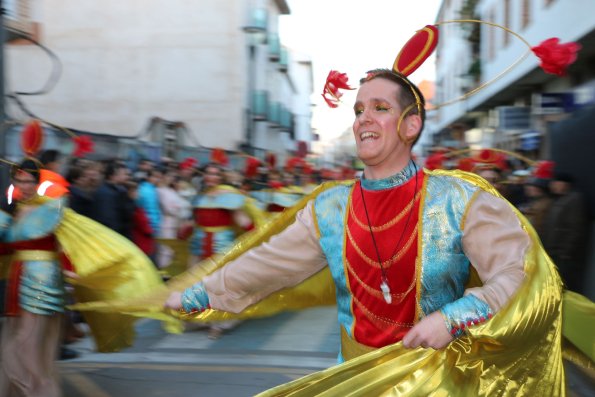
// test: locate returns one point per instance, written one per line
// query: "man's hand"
(174, 301)
(429, 332)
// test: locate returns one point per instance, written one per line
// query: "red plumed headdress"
(32, 138)
(251, 167)
(218, 156)
(544, 170)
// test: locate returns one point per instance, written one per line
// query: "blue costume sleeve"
(465, 312)
(195, 298)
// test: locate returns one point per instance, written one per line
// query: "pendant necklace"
(384, 287)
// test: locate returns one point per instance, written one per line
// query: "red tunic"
(394, 217)
(207, 218)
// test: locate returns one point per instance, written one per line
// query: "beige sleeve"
(495, 243)
(285, 260)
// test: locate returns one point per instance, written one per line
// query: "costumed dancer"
(442, 286)
(47, 242)
(221, 213)
(280, 194)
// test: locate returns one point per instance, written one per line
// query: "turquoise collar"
(397, 179)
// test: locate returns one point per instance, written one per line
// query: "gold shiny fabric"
(110, 267)
(317, 290)
(516, 353)
(578, 324)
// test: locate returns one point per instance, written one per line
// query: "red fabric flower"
(251, 167)
(544, 169)
(556, 57)
(31, 138)
(218, 156)
(188, 162)
(82, 145)
(335, 81)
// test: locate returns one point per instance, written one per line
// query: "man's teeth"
(366, 135)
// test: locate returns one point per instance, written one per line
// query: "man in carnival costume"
(442, 287)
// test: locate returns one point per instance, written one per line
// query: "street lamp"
(256, 34)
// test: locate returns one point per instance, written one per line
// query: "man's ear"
(412, 127)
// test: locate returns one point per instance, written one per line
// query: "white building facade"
(217, 66)
(511, 109)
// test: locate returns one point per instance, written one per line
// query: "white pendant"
(386, 292)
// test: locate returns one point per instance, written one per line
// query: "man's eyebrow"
(371, 100)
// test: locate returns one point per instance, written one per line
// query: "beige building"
(217, 66)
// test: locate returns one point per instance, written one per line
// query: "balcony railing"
(274, 47)
(274, 114)
(284, 60)
(260, 101)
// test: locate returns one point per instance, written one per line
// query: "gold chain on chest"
(388, 263)
(376, 319)
(398, 297)
(388, 224)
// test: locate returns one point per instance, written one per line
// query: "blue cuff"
(195, 299)
(464, 313)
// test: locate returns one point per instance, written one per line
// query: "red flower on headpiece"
(271, 160)
(544, 169)
(218, 156)
(556, 57)
(31, 138)
(188, 162)
(82, 145)
(251, 167)
(335, 81)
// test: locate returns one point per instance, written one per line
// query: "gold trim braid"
(35, 255)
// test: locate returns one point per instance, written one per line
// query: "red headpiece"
(271, 159)
(218, 156)
(31, 138)
(187, 163)
(544, 169)
(417, 49)
(251, 167)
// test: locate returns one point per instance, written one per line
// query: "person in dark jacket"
(564, 231)
(80, 197)
(113, 207)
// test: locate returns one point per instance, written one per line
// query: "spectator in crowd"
(148, 200)
(175, 209)
(51, 182)
(565, 230)
(142, 233)
(538, 203)
(81, 194)
(112, 206)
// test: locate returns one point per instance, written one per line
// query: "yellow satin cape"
(109, 267)
(317, 290)
(516, 353)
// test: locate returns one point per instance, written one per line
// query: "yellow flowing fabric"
(516, 353)
(317, 290)
(109, 267)
(578, 325)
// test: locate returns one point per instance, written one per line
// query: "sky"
(352, 36)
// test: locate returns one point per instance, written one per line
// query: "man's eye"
(358, 111)
(381, 108)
